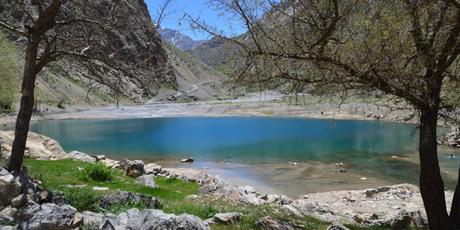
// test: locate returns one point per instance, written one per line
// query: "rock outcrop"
(142, 219)
(397, 205)
(137, 47)
(121, 198)
(24, 205)
(38, 146)
(452, 138)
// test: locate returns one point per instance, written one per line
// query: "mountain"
(217, 53)
(181, 41)
(195, 79)
(141, 45)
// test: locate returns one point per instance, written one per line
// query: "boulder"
(111, 163)
(147, 180)
(291, 209)
(81, 156)
(187, 160)
(9, 189)
(227, 218)
(337, 226)
(251, 199)
(143, 219)
(268, 223)
(19, 201)
(247, 189)
(99, 157)
(402, 221)
(122, 197)
(3, 172)
(47, 216)
(91, 220)
(133, 168)
(38, 146)
(152, 168)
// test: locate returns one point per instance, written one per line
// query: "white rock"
(227, 218)
(152, 168)
(147, 180)
(95, 188)
(81, 156)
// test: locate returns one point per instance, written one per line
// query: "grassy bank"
(68, 176)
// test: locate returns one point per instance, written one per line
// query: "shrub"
(96, 172)
(83, 199)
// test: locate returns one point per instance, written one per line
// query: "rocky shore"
(24, 206)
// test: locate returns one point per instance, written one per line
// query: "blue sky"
(196, 8)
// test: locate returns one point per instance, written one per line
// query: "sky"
(196, 8)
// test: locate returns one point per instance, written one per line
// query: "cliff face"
(140, 46)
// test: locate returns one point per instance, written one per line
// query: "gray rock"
(99, 157)
(292, 209)
(227, 218)
(152, 168)
(147, 180)
(371, 192)
(133, 168)
(121, 198)
(19, 201)
(337, 226)
(247, 189)
(111, 163)
(268, 223)
(81, 156)
(187, 160)
(91, 220)
(3, 172)
(143, 220)
(9, 188)
(49, 216)
(250, 199)
(7, 216)
(402, 221)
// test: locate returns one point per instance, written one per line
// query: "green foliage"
(62, 176)
(9, 72)
(96, 172)
(82, 199)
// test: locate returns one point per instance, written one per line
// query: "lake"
(367, 147)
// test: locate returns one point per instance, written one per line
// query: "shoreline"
(372, 205)
(253, 105)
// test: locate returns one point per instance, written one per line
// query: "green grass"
(96, 172)
(9, 74)
(64, 175)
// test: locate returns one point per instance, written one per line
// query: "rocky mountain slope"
(195, 80)
(163, 71)
(217, 53)
(180, 40)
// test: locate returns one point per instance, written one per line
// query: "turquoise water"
(242, 140)
(366, 148)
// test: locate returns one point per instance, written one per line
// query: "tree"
(405, 48)
(72, 31)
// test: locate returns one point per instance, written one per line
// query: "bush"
(96, 172)
(83, 199)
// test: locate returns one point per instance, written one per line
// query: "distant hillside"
(217, 53)
(181, 41)
(196, 80)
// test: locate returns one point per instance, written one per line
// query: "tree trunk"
(431, 184)
(26, 107)
(455, 210)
